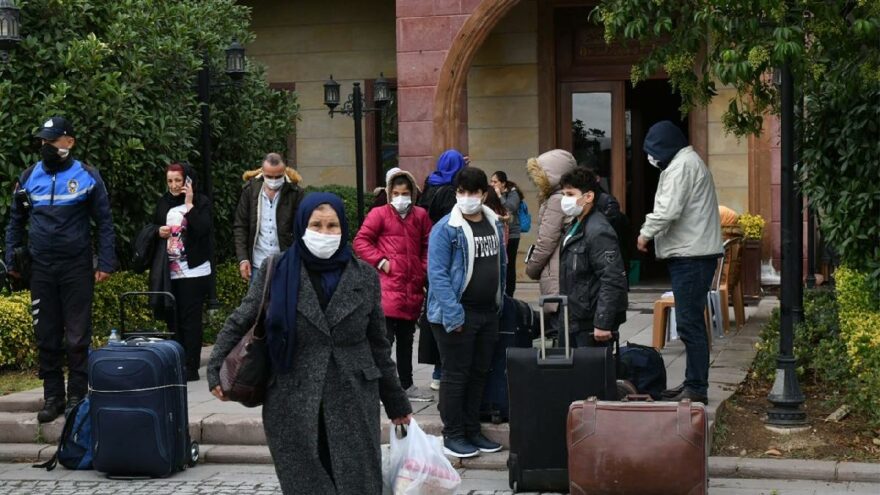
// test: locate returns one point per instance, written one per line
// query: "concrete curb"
(719, 467)
(742, 467)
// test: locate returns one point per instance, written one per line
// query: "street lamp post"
(354, 107)
(786, 396)
(10, 28)
(236, 70)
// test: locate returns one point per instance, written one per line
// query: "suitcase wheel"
(513, 472)
(193, 454)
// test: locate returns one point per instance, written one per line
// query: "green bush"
(231, 289)
(860, 329)
(124, 73)
(349, 199)
(815, 340)
(837, 345)
(17, 346)
(105, 306)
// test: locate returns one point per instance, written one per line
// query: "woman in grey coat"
(330, 358)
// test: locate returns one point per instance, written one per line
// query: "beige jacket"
(543, 264)
(685, 221)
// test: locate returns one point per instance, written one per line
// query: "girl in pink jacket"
(394, 239)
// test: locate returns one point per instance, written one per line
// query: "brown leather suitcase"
(637, 446)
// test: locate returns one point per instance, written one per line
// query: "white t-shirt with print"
(177, 264)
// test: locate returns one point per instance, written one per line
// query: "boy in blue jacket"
(466, 271)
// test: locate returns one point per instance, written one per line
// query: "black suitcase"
(542, 384)
(139, 411)
(517, 321)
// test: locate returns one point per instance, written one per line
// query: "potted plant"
(753, 231)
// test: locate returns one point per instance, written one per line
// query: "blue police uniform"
(62, 204)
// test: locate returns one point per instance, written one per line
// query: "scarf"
(284, 291)
(448, 165)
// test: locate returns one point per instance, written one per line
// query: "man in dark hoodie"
(686, 230)
(59, 197)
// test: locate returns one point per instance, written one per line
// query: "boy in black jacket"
(591, 270)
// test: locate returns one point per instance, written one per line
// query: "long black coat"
(343, 365)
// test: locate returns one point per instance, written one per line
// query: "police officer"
(60, 195)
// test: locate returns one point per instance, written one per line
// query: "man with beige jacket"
(686, 230)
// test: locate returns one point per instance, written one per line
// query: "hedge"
(860, 329)
(18, 348)
(837, 345)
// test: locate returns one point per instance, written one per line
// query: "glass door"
(593, 126)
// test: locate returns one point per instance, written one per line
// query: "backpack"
(75, 443)
(525, 220)
(644, 367)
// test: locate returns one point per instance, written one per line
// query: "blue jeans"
(691, 280)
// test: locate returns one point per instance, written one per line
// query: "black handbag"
(143, 246)
(244, 375)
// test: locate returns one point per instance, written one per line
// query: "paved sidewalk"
(231, 433)
(18, 479)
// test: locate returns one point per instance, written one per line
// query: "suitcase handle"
(637, 398)
(558, 298)
(563, 301)
(132, 294)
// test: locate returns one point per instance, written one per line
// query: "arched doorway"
(453, 76)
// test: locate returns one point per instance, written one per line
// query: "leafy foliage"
(124, 73)
(18, 348)
(231, 289)
(833, 52)
(752, 225)
(837, 345)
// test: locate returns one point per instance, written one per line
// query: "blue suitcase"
(139, 414)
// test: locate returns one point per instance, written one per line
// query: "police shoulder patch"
(72, 186)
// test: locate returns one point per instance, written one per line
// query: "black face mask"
(50, 156)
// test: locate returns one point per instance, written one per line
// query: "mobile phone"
(189, 181)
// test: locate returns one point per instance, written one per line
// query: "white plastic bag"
(418, 465)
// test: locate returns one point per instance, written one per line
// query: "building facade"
(502, 81)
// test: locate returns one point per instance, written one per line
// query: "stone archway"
(454, 73)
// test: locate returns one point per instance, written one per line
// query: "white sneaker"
(415, 394)
(435, 384)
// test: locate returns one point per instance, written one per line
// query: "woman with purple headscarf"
(438, 195)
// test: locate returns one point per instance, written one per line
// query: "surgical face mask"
(401, 203)
(274, 184)
(468, 205)
(570, 206)
(322, 245)
(654, 162)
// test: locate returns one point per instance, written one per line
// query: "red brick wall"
(425, 31)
